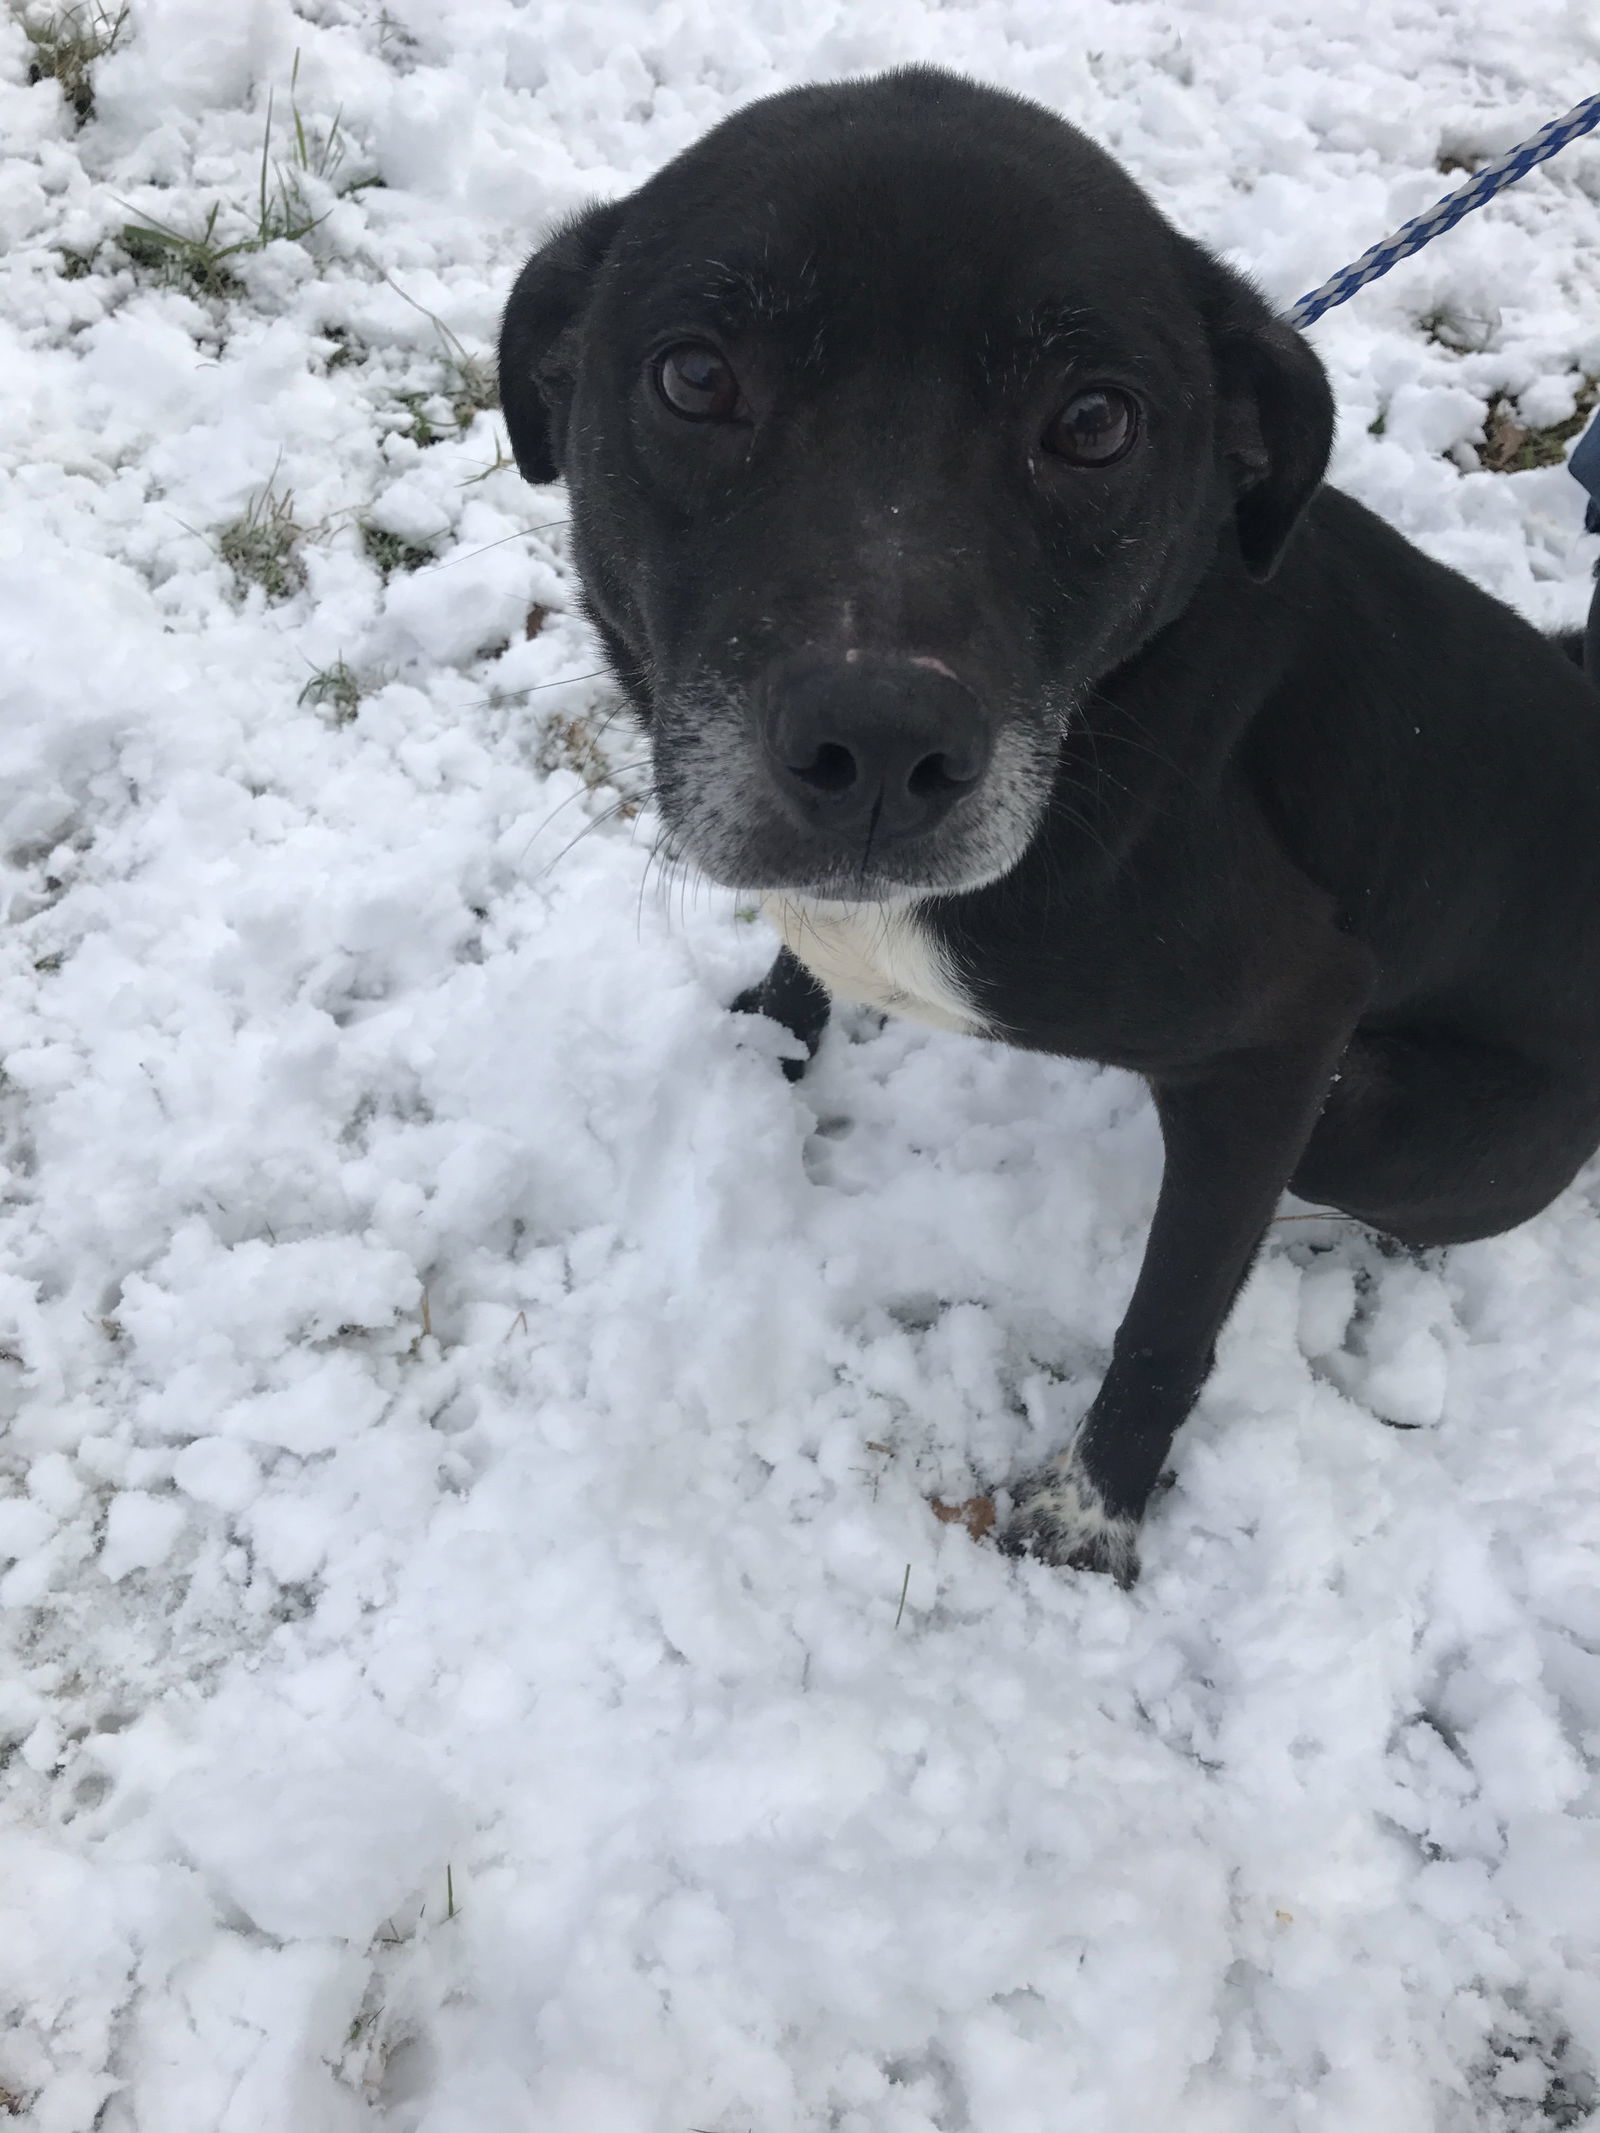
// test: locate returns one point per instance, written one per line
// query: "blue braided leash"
(1446, 213)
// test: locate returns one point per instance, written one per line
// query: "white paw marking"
(1060, 1516)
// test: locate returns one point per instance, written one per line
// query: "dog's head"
(894, 418)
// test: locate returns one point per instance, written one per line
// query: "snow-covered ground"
(479, 1656)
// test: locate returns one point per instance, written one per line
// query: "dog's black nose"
(890, 743)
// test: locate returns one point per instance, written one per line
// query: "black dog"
(954, 525)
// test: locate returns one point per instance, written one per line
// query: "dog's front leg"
(1233, 1134)
(792, 997)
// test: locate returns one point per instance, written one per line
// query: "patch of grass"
(501, 460)
(345, 349)
(392, 551)
(424, 430)
(200, 258)
(195, 258)
(1462, 332)
(67, 42)
(262, 545)
(395, 42)
(319, 154)
(572, 744)
(1513, 447)
(283, 213)
(471, 385)
(475, 389)
(335, 690)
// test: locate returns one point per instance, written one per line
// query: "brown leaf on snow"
(976, 1514)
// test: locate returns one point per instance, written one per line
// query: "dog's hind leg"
(790, 996)
(1436, 1140)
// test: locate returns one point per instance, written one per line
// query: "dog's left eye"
(697, 382)
(1094, 428)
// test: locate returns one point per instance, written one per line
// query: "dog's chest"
(884, 958)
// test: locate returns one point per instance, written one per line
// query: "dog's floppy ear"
(1274, 423)
(547, 301)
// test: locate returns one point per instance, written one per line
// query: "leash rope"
(1446, 213)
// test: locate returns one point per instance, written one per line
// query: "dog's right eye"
(1095, 428)
(696, 382)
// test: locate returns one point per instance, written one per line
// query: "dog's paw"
(1059, 1516)
(754, 1001)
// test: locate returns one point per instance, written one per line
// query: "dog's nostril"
(875, 748)
(832, 769)
(941, 773)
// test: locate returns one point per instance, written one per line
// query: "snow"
(479, 1654)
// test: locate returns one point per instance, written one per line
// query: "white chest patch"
(879, 955)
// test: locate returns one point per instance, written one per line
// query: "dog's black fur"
(1178, 761)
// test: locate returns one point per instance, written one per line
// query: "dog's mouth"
(886, 796)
